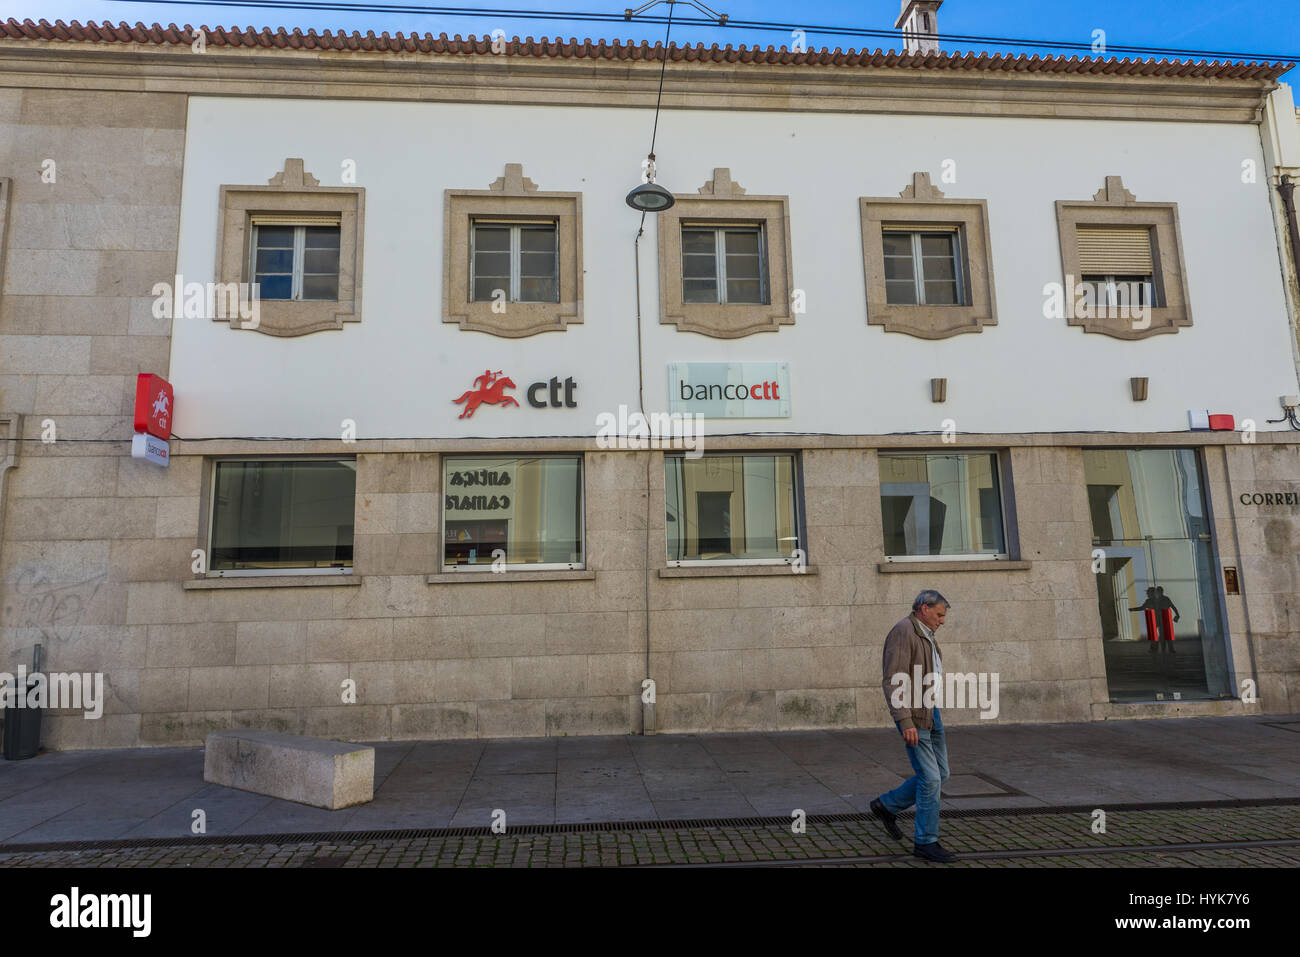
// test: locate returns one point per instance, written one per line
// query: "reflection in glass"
(277, 514)
(527, 510)
(941, 504)
(1157, 589)
(728, 507)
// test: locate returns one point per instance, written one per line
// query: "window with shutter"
(1115, 250)
(1122, 264)
(1117, 262)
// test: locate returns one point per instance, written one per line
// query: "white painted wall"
(396, 371)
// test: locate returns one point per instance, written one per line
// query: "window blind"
(1115, 250)
(295, 219)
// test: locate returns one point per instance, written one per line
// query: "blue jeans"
(929, 759)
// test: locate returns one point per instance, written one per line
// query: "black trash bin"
(22, 736)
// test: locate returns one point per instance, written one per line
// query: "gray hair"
(929, 598)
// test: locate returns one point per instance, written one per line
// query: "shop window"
(1122, 264)
(724, 261)
(941, 506)
(300, 242)
(276, 516)
(928, 262)
(731, 509)
(516, 511)
(512, 261)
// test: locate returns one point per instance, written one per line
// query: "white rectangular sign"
(730, 390)
(156, 450)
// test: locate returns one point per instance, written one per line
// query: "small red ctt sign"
(153, 405)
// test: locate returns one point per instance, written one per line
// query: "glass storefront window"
(276, 515)
(731, 508)
(941, 505)
(526, 511)
(1157, 584)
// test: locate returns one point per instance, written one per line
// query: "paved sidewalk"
(102, 795)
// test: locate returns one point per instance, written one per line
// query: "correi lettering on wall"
(1270, 498)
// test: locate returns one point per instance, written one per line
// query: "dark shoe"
(887, 819)
(933, 852)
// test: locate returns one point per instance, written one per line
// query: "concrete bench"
(328, 774)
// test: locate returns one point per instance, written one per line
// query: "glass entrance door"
(1157, 588)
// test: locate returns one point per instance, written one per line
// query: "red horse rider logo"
(490, 392)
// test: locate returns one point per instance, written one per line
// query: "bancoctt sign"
(730, 390)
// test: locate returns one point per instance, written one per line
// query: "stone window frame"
(1113, 205)
(512, 197)
(6, 193)
(723, 202)
(256, 577)
(11, 447)
(292, 191)
(919, 205)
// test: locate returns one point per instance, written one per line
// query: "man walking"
(911, 650)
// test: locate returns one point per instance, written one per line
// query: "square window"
(276, 515)
(725, 267)
(514, 262)
(296, 262)
(512, 243)
(731, 508)
(928, 262)
(723, 264)
(1122, 264)
(527, 511)
(1117, 263)
(922, 268)
(941, 506)
(301, 244)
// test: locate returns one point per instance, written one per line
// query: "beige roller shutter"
(1115, 250)
(295, 219)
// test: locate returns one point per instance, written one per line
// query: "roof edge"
(327, 41)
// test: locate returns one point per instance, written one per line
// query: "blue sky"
(1229, 25)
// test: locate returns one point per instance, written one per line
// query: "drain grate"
(667, 824)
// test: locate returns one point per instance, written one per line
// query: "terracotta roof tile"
(556, 48)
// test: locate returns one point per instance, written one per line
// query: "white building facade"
(1014, 330)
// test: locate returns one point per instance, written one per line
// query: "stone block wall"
(93, 214)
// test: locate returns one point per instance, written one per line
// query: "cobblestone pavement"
(978, 839)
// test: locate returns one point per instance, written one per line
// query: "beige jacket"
(906, 647)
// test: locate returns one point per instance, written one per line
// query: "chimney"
(919, 21)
